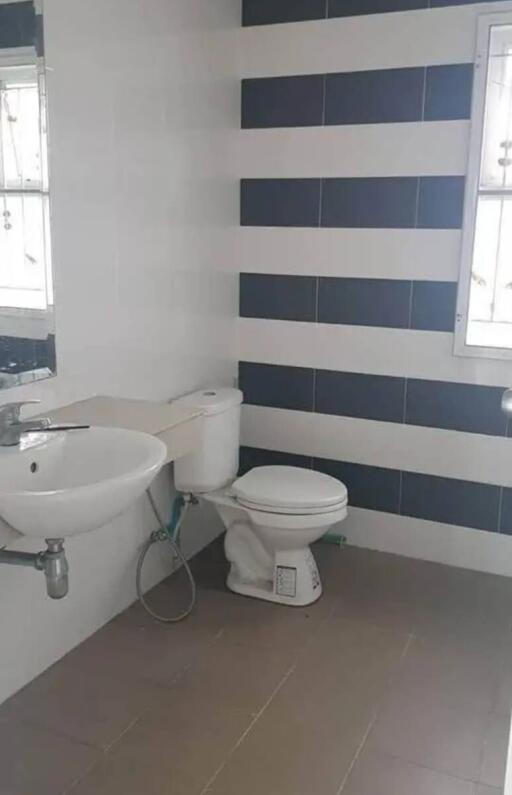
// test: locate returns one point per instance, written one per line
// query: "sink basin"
(57, 485)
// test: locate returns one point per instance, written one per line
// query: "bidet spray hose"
(164, 535)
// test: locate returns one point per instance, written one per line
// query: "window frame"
(484, 24)
(20, 57)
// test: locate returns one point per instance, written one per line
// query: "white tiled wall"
(144, 103)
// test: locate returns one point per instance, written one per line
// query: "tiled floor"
(398, 682)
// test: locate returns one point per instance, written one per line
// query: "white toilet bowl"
(272, 514)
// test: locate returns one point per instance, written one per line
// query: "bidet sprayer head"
(54, 565)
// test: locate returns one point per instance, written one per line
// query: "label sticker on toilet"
(286, 581)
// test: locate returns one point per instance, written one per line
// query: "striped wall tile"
(431, 37)
(410, 448)
(379, 96)
(389, 303)
(364, 150)
(468, 408)
(364, 302)
(268, 12)
(374, 96)
(374, 488)
(251, 457)
(280, 202)
(461, 407)
(451, 501)
(365, 349)
(426, 254)
(433, 306)
(379, 202)
(282, 297)
(281, 387)
(448, 501)
(506, 512)
(448, 92)
(265, 12)
(283, 101)
(374, 397)
(17, 24)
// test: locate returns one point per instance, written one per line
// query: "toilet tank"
(215, 462)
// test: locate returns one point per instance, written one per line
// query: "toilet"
(272, 513)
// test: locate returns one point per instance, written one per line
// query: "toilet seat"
(289, 490)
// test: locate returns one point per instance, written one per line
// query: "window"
(25, 267)
(484, 312)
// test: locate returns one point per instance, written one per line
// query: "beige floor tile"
(350, 653)
(139, 653)
(234, 676)
(277, 627)
(37, 762)
(92, 708)
(495, 750)
(376, 773)
(452, 671)
(419, 729)
(292, 749)
(173, 753)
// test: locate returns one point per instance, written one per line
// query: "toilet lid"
(290, 488)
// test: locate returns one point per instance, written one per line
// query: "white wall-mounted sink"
(56, 485)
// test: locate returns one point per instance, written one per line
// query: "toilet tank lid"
(212, 401)
(289, 487)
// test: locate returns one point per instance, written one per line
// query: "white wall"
(143, 106)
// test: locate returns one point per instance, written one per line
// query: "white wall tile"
(418, 538)
(365, 349)
(431, 254)
(432, 451)
(372, 41)
(366, 150)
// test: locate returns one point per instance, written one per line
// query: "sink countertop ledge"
(177, 426)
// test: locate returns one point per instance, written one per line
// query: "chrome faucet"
(12, 427)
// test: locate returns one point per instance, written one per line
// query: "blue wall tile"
(280, 202)
(448, 92)
(441, 202)
(374, 397)
(373, 202)
(433, 306)
(459, 407)
(348, 8)
(506, 512)
(374, 97)
(374, 488)
(278, 297)
(265, 12)
(251, 457)
(276, 386)
(457, 502)
(364, 302)
(17, 24)
(283, 101)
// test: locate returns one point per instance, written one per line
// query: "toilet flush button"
(286, 581)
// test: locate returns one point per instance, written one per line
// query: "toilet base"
(296, 581)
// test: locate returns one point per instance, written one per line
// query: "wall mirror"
(27, 335)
